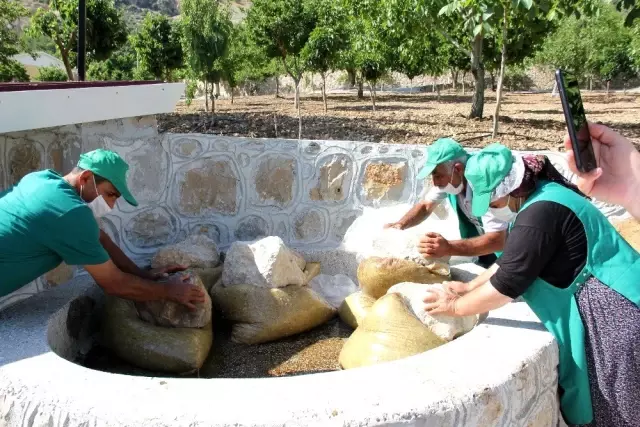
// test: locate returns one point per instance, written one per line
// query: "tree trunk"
(503, 59)
(297, 83)
(454, 80)
(277, 87)
(231, 95)
(493, 81)
(217, 89)
(464, 76)
(351, 74)
(590, 84)
(360, 89)
(433, 85)
(410, 85)
(324, 91)
(477, 70)
(67, 64)
(372, 89)
(608, 81)
(213, 101)
(206, 96)
(438, 91)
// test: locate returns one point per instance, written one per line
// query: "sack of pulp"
(367, 237)
(389, 331)
(445, 327)
(355, 307)
(261, 315)
(178, 350)
(376, 275)
(176, 315)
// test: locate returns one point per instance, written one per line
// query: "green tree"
(248, 61)
(206, 29)
(121, 66)
(282, 28)
(157, 46)
(13, 71)
(321, 52)
(51, 74)
(10, 12)
(106, 30)
(591, 47)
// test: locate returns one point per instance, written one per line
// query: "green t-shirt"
(43, 222)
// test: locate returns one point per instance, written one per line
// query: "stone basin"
(502, 373)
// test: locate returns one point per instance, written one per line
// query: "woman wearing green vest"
(578, 275)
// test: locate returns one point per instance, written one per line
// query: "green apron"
(467, 229)
(611, 260)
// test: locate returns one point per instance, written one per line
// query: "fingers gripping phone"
(576, 121)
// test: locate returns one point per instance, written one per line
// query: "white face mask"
(98, 206)
(450, 189)
(504, 213)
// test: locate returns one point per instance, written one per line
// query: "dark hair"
(99, 179)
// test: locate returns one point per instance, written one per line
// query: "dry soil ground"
(528, 121)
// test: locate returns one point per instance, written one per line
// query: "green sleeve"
(75, 237)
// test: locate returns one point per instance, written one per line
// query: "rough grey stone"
(265, 263)
(197, 251)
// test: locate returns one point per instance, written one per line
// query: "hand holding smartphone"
(576, 120)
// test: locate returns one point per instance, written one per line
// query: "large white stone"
(265, 263)
(197, 251)
(446, 327)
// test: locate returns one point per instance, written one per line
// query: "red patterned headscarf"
(539, 167)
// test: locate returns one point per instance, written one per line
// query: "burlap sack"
(390, 331)
(209, 276)
(173, 314)
(630, 231)
(376, 275)
(266, 314)
(156, 348)
(355, 307)
(446, 327)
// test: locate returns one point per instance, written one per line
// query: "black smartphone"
(576, 121)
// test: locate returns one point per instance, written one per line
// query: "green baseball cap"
(110, 166)
(442, 150)
(485, 170)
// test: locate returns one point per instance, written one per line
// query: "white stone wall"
(307, 192)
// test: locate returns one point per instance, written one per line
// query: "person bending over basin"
(574, 270)
(482, 236)
(47, 218)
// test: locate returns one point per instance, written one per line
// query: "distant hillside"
(136, 9)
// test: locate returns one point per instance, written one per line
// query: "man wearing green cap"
(47, 218)
(482, 235)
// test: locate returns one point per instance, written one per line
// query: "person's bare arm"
(120, 259)
(418, 213)
(477, 246)
(482, 299)
(463, 288)
(118, 283)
